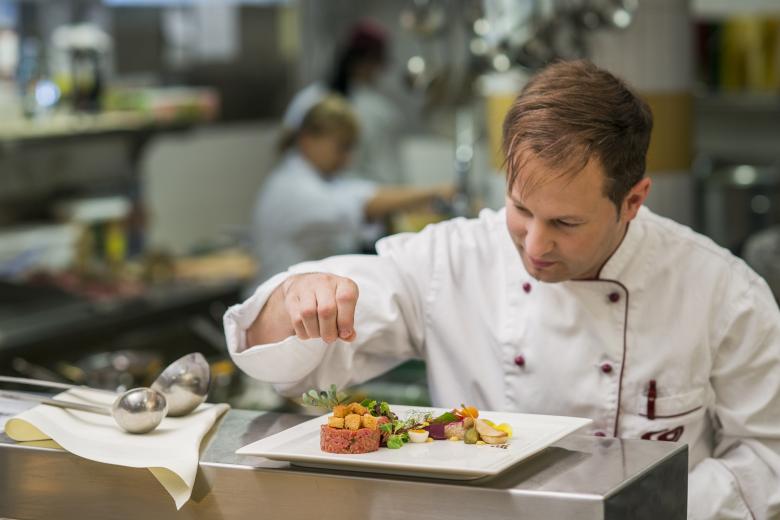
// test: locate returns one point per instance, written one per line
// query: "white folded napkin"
(170, 452)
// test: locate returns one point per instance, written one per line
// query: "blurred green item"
(170, 104)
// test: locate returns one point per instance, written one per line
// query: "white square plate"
(300, 445)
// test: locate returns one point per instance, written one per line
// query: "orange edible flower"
(467, 411)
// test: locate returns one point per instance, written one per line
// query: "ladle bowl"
(139, 410)
(184, 383)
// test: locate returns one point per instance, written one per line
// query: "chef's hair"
(572, 112)
(331, 115)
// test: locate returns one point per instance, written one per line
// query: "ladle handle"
(36, 382)
(47, 384)
(21, 396)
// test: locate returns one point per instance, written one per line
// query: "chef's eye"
(522, 210)
(565, 223)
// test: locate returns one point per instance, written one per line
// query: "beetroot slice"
(436, 431)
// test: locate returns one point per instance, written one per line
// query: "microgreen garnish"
(398, 430)
(397, 434)
(324, 399)
(378, 409)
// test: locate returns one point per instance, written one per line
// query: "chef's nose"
(538, 241)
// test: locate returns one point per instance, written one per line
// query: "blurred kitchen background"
(135, 135)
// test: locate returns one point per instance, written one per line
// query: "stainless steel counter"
(578, 478)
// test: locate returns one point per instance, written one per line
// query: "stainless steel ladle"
(184, 384)
(139, 410)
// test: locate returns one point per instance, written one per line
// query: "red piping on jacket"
(656, 416)
(625, 349)
(623, 361)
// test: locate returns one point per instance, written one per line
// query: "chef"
(357, 73)
(574, 299)
(306, 210)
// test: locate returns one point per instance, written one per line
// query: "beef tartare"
(335, 440)
(351, 429)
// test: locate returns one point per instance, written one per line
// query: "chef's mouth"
(540, 264)
(536, 263)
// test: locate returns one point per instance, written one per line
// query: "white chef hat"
(300, 105)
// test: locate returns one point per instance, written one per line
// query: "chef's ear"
(635, 198)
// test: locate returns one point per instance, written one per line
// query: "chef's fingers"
(292, 304)
(297, 321)
(326, 312)
(308, 314)
(346, 300)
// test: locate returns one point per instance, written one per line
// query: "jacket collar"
(628, 254)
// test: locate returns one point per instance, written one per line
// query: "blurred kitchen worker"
(572, 300)
(359, 66)
(305, 209)
(357, 69)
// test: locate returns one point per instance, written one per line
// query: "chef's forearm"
(742, 483)
(397, 198)
(714, 493)
(272, 323)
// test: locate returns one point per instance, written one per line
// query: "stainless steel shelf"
(708, 9)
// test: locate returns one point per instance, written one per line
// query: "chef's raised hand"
(308, 305)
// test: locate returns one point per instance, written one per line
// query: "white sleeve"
(360, 189)
(354, 195)
(388, 323)
(742, 479)
(340, 206)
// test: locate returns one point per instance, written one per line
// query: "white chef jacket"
(669, 306)
(301, 216)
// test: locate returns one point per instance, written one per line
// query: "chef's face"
(329, 153)
(565, 227)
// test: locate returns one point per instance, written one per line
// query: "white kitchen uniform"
(677, 340)
(301, 216)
